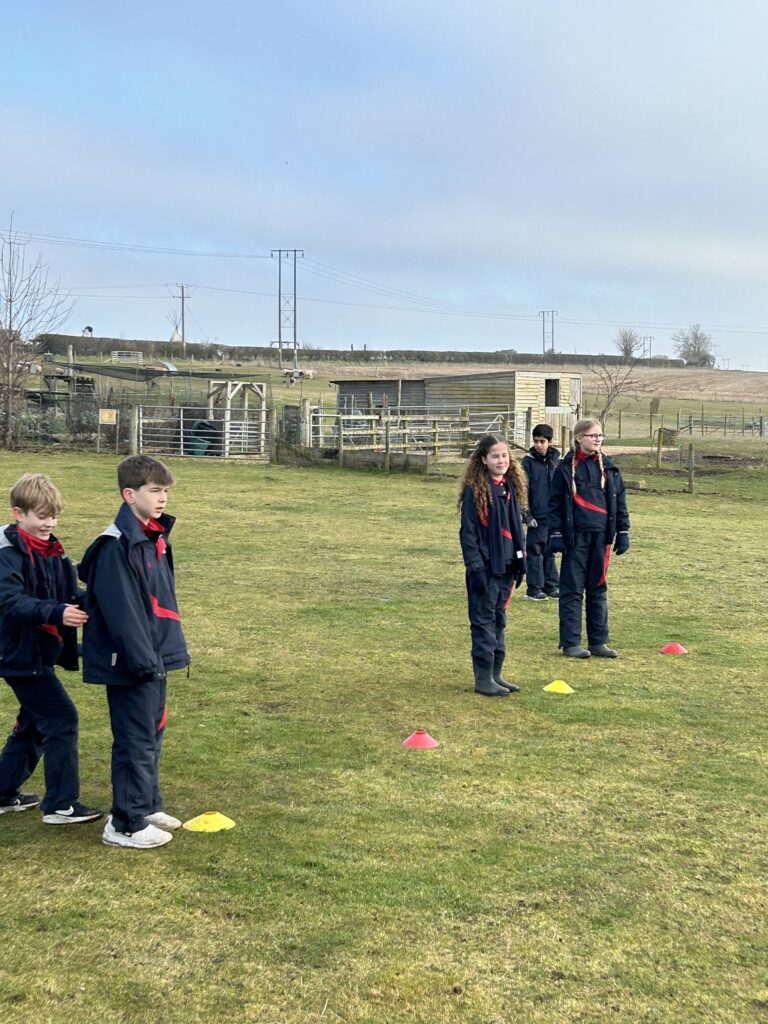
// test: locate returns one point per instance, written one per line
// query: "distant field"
(587, 859)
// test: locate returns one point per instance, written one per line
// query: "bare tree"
(627, 341)
(615, 378)
(30, 305)
(695, 346)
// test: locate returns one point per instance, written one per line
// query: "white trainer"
(163, 820)
(145, 839)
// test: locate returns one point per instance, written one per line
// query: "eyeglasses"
(595, 437)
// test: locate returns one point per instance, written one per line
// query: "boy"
(39, 617)
(540, 464)
(132, 639)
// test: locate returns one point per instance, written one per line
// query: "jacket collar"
(132, 528)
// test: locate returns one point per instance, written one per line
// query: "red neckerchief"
(46, 548)
(154, 531)
(581, 456)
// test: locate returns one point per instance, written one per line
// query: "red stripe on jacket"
(163, 613)
(588, 504)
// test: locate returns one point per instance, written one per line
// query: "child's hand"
(556, 546)
(621, 546)
(478, 581)
(73, 616)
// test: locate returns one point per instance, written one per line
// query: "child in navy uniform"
(39, 616)
(539, 465)
(132, 640)
(491, 496)
(587, 513)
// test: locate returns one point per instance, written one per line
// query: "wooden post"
(437, 440)
(466, 436)
(650, 428)
(690, 468)
(725, 426)
(340, 423)
(387, 450)
(702, 419)
(305, 433)
(678, 419)
(399, 393)
(565, 440)
(529, 426)
(690, 425)
(133, 431)
(273, 434)
(658, 448)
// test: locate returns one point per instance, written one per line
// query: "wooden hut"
(542, 397)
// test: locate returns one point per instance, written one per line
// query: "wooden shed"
(551, 398)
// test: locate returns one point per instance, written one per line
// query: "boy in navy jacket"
(540, 464)
(39, 616)
(132, 640)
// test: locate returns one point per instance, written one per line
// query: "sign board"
(107, 417)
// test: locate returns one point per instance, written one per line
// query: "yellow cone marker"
(211, 821)
(558, 686)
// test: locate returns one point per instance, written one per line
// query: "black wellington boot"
(484, 683)
(499, 679)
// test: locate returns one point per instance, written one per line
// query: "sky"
(446, 170)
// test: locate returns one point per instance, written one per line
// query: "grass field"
(587, 858)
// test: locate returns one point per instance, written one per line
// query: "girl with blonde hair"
(491, 499)
(587, 514)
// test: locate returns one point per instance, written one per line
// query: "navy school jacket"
(540, 472)
(560, 510)
(33, 592)
(133, 633)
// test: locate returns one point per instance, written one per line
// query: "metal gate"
(196, 431)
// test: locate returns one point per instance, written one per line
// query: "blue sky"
(448, 169)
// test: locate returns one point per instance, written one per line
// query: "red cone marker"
(420, 740)
(674, 649)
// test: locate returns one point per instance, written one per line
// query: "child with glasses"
(587, 515)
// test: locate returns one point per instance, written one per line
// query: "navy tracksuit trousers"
(46, 727)
(583, 571)
(137, 716)
(487, 621)
(540, 567)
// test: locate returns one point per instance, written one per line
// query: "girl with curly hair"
(492, 497)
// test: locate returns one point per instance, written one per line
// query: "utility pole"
(286, 305)
(647, 340)
(544, 313)
(183, 297)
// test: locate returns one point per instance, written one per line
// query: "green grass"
(593, 858)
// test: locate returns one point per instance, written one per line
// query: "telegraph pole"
(183, 297)
(544, 313)
(647, 340)
(286, 304)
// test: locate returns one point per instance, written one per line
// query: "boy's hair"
(475, 475)
(543, 430)
(137, 470)
(35, 492)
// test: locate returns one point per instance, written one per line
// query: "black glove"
(621, 544)
(555, 545)
(518, 578)
(477, 581)
(530, 521)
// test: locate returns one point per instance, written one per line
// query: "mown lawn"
(592, 858)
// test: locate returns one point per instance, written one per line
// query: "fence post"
(658, 447)
(702, 419)
(133, 430)
(387, 450)
(465, 429)
(340, 422)
(690, 425)
(678, 419)
(529, 426)
(437, 439)
(273, 434)
(690, 468)
(650, 428)
(762, 426)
